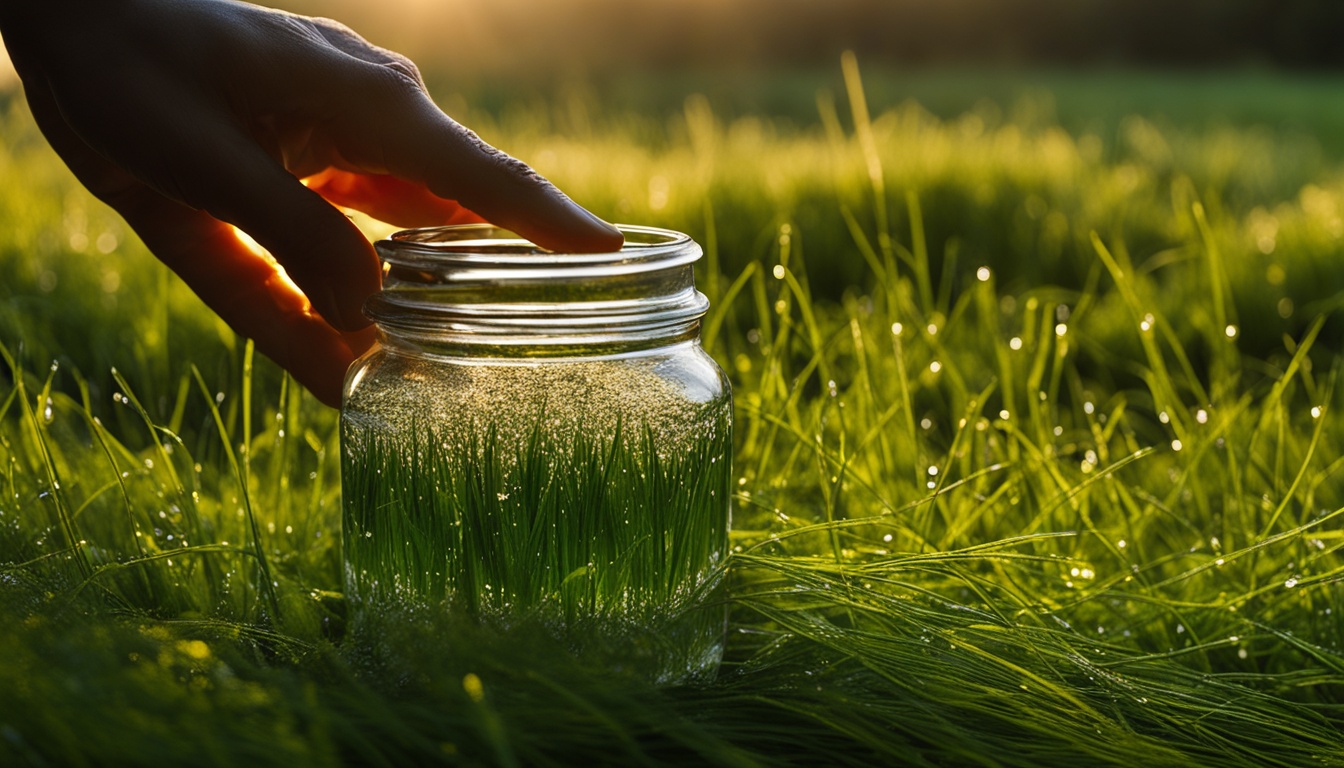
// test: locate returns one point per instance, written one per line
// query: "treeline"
(527, 36)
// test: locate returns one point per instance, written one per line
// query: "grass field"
(1038, 453)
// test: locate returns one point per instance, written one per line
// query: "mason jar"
(538, 440)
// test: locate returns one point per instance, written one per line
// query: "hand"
(187, 116)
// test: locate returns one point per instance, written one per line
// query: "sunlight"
(8, 76)
(280, 274)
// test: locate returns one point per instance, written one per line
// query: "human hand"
(188, 116)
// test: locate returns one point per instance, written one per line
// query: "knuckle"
(392, 84)
(508, 163)
(289, 27)
(334, 31)
(405, 68)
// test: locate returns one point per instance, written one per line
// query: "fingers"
(213, 166)
(179, 140)
(389, 199)
(426, 145)
(388, 124)
(243, 288)
(235, 181)
(249, 294)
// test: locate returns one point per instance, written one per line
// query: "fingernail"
(605, 237)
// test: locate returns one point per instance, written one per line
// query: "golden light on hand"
(281, 276)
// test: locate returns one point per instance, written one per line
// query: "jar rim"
(483, 245)
(482, 286)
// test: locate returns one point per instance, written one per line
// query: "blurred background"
(538, 43)
(1088, 63)
(525, 37)
(564, 37)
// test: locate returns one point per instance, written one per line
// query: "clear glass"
(538, 440)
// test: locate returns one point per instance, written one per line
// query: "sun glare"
(280, 274)
(7, 74)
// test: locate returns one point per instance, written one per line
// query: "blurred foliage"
(525, 37)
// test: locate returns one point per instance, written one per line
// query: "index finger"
(415, 140)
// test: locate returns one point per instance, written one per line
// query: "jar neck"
(476, 290)
(528, 347)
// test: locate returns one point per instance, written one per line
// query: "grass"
(1037, 460)
(615, 545)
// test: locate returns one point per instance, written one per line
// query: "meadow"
(1038, 452)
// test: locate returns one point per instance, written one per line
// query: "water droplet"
(982, 274)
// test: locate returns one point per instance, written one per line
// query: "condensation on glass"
(539, 440)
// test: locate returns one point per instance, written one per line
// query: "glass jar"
(538, 440)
